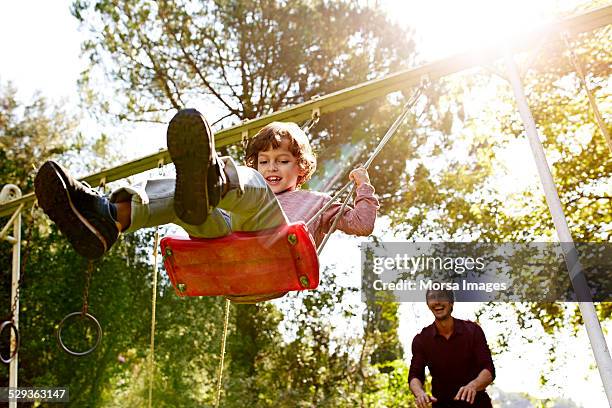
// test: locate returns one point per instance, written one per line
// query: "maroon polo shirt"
(452, 363)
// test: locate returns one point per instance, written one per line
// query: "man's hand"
(359, 176)
(425, 401)
(467, 393)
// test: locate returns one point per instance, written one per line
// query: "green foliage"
(390, 388)
(459, 195)
(120, 294)
(242, 60)
(315, 367)
(453, 195)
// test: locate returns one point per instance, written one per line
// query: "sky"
(43, 54)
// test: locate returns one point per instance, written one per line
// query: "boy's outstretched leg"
(85, 217)
(200, 179)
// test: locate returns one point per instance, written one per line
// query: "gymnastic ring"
(61, 326)
(10, 325)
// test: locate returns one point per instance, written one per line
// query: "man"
(457, 355)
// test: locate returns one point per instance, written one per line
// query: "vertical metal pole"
(589, 315)
(11, 191)
(14, 288)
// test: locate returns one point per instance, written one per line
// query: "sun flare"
(446, 27)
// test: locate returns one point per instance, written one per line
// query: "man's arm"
(483, 361)
(416, 375)
(422, 399)
(468, 391)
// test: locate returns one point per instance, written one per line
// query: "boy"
(211, 196)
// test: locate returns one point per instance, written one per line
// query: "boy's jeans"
(249, 205)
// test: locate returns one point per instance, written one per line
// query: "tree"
(248, 58)
(458, 199)
(30, 132)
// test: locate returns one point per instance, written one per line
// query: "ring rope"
(83, 314)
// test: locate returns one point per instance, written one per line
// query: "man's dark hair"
(441, 293)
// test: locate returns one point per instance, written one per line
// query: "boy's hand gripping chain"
(413, 99)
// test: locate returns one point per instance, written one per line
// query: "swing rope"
(153, 304)
(392, 130)
(222, 355)
(583, 81)
(162, 173)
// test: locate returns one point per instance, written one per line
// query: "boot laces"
(91, 189)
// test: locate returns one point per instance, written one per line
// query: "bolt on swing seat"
(246, 267)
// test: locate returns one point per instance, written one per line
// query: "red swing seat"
(245, 267)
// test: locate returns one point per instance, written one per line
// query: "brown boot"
(200, 180)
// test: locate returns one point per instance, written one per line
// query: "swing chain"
(244, 139)
(161, 170)
(575, 60)
(90, 268)
(10, 323)
(390, 132)
(24, 262)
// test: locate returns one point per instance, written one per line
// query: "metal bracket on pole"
(102, 185)
(11, 192)
(316, 114)
(245, 138)
(589, 315)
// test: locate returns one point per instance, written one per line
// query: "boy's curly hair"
(271, 136)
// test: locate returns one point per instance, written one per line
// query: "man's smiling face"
(439, 304)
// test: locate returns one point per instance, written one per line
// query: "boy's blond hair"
(271, 136)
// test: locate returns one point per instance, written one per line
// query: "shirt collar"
(458, 328)
(288, 190)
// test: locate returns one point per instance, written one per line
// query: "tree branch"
(191, 63)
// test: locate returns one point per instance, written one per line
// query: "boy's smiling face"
(279, 167)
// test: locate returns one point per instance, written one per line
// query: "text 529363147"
(31, 394)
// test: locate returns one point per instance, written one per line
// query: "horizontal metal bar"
(358, 94)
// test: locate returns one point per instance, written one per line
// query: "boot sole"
(54, 199)
(190, 144)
